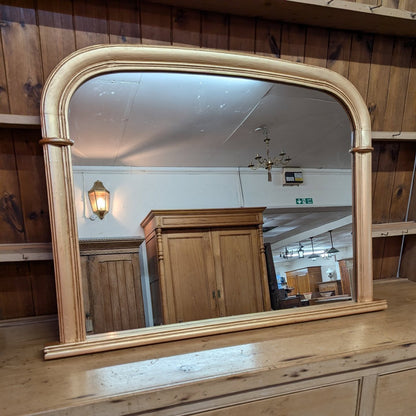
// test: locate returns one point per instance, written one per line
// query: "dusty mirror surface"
(173, 140)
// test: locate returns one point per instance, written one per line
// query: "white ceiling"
(183, 120)
(171, 119)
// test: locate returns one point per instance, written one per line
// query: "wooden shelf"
(337, 14)
(25, 252)
(392, 229)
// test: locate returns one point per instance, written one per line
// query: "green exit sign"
(302, 201)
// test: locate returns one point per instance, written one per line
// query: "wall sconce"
(99, 199)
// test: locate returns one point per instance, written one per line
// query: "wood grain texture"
(268, 38)
(339, 49)
(242, 34)
(11, 217)
(343, 403)
(56, 32)
(316, 46)
(4, 96)
(213, 373)
(43, 287)
(402, 182)
(384, 180)
(395, 394)
(407, 266)
(409, 119)
(112, 289)
(398, 82)
(390, 259)
(24, 68)
(90, 23)
(379, 76)
(156, 24)
(408, 5)
(293, 42)
(32, 183)
(360, 60)
(124, 21)
(186, 27)
(15, 291)
(214, 30)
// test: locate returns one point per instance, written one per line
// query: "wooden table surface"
(134, 379)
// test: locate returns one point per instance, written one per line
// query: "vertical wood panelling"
(408, 5)
(409, 116)
(390, 258)
(186, 27)
(402, 181)
(21, 49)
(268, 37)
(383, 183)
(124, 21)
(360, 59)
(11, 218)
(43, 287)
(156, 24)
(214, 30)
(29, 160)
(383, 69)
(399, 75)
(339, 50)
(386, 252)
(379, 80)
(242, 34)
(4, 96)
(407, 267)
(15, 291)
(90, 23)
(392, 173)
(114, 292)
(55, 22)
(293, 42)
(316, 46)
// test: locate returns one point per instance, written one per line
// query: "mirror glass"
(170, 140)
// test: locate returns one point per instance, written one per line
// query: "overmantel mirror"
(237, 78)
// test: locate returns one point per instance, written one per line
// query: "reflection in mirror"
(173, 141)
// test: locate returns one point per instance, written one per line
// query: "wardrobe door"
(115, 292)
(189, 276)
(239, 271)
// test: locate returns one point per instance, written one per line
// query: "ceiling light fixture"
(301, 253)
(313, 256)
(99, 199)
(332, 250)
(268, 162)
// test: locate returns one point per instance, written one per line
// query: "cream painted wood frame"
(100, 59)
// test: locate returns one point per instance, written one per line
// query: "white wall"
(136, 191)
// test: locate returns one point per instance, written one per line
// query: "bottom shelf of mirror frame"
(154, 335)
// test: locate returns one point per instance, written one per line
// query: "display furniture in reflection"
(206, 263)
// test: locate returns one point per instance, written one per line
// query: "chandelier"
(268, 162)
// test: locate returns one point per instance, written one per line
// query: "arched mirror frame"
(100, 59)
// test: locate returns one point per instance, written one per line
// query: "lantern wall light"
(99, 198)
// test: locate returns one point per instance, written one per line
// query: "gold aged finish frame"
(100, 59)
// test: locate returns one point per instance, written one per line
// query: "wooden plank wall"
(26, 288)
(36, 35)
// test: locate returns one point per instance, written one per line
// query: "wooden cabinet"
(304, 280)
(112, 288)
(331, 286)
(338, 399)
(205, 263)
